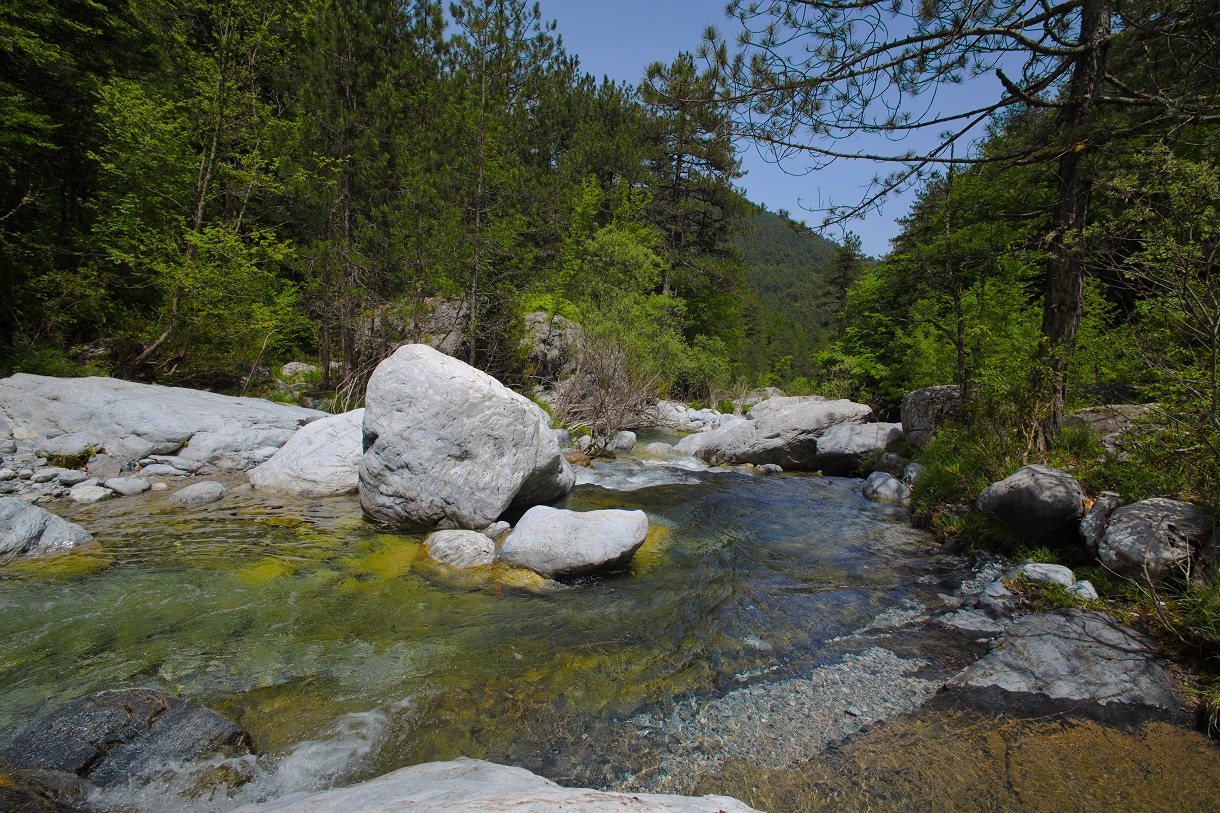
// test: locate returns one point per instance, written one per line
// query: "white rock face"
(461, 549)
(28, 529)
(321, 459)
(558, 543)
(466, 784)
(448, 446)
(783, 431)
(132, 421)
(843, 447)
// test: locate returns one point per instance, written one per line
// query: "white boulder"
(448, 446)
(559, 543)
(321, 459)
(844, 447)
(783, 431)
(884, 487)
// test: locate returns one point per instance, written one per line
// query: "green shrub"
(726, 407)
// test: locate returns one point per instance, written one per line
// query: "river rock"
(163, 470)
(34, 791)
(884, 487)
(446, 445)
(912, 473)
(88, 493)
(558, 543)
(1070, 660)
(1093, 526)
(321, 459)
(1153, 539)
(466, 784)
(461, 549)
(198, 493)
(131, 421)
(843, 448)
(1083, 590)
(783, 431)
(111, 737)
(28, 529)
(128, 486)
(622, 441)
(658, 448)
(1042, 573)
(1042, 504)
(926, 410)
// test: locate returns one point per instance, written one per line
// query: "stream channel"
(766, 643)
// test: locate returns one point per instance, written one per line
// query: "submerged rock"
(466, 784)
(322, 459)
(28, 529)
(1153, 539)
(1069, 660)
(559, 543)
(130, 421)
(114, 736)
(1042, 504)
(461, 549)
(448, 446)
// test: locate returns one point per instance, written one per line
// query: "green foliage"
(726, 407)
(71, 461)
(551, 304)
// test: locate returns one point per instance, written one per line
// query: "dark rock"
(926, 410)
(1042, 504)
(34, 791)
(114, 736)
(1093, 526)
(1069, 661)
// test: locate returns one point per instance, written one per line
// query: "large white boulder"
(448, 446)
(28, 529)
(132, 421)
(559, 543)
(466, 784)
(321, 459)
(844, 447)
(783, 431)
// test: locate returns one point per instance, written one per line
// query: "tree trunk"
(1064, 296)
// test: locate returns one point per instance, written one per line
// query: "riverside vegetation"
(195, 191)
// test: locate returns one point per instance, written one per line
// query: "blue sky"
(620, 38)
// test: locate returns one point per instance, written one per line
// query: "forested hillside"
(190, 188)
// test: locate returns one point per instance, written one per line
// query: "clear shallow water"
(347, 654)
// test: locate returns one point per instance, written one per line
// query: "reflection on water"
(347, 653)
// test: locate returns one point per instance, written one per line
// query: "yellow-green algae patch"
(963, 762)
(69, 564)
